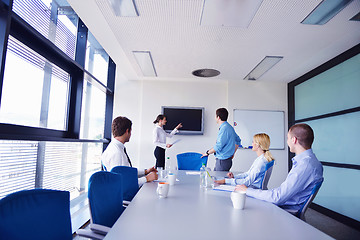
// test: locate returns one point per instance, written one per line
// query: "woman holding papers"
(159, 139)
(254, 175)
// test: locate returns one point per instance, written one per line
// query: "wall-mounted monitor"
(192, 119)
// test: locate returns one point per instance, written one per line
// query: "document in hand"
(226, 188)
(176, 141)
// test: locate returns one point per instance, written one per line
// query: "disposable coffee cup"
(162, 189)
(238, 199)
(171, 179)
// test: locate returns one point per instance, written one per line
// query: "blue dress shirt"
(225, 142)
(251, 178)
(305, 173)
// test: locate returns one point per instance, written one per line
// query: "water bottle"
(208, 179)
(203, 176)
(168, 166)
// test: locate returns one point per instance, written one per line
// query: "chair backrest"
(268, 171)
(190, 161)
(36, 214)
(306, 204)
(129, 181)
(105, 197)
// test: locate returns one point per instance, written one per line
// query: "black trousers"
(160, 157)
(223, 165)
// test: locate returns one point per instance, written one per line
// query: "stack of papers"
(193, 173)
(226, 188)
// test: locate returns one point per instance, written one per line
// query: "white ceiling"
(171, 31)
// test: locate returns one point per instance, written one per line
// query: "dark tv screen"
(191, 119)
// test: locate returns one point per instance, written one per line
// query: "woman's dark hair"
(159, 117)
(120, 125)
(222, 113)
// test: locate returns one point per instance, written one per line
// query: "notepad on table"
(226, 188)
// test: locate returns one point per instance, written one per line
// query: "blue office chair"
(106, 203)
(301, 212)
(190, 161)
(268, 171)
(130, 181)
(39, 214)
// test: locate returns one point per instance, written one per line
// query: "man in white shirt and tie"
(116, 155)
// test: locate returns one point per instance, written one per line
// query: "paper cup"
(238, 199)
(162, 189)
(172, 179)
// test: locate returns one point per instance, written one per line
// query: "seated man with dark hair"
(305, 173)
(116, 155)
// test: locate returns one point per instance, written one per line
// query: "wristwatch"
(207, 152)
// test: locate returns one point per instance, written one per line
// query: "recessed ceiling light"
(325, 11)
(264, 66)
(229, 13)
(123, 8)
(145, 63)
(206, 73)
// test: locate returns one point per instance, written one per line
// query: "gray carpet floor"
(330, 226)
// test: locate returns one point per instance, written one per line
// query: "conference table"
(191, 212)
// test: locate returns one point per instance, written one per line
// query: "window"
(97, 60)
(36, 96)
(50, 165)
(55, 20)
(93, 112)
(328, 99)
(53, 109)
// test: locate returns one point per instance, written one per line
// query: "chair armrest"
(126, 203)
(89, 234)
(99, 229)
(292, 211)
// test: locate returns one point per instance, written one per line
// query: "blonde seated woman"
(252, 178)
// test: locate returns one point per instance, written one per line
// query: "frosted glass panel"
(336, 138)
(333, 90)
(340, 191)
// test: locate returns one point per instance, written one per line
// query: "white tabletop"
(190, 212)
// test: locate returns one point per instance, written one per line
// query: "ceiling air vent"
(206, 73)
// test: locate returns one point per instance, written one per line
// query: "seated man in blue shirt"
(227, 142)
(305, 173)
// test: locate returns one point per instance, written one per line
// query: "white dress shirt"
(253, 176)
(305, 173)
(114, 155)
(159, 136)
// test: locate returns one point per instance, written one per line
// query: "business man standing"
(226, 144)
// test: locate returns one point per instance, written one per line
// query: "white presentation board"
(247, 123)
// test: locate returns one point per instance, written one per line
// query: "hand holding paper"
(176, 141)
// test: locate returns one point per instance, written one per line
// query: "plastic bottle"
(168, 166)
(203, 176)
(208, 179)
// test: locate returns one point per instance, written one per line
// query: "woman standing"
(159, 138)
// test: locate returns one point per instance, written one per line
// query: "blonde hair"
(263, 140)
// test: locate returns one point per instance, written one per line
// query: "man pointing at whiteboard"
(227, 142)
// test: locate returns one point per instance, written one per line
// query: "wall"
(257, 95)
(141, 101)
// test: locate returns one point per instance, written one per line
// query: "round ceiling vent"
(206, 73)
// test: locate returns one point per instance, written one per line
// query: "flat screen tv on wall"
(192, 119)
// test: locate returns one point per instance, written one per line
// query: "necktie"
(127, 157)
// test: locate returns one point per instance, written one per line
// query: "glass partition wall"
(56, 93)
(328, 99)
